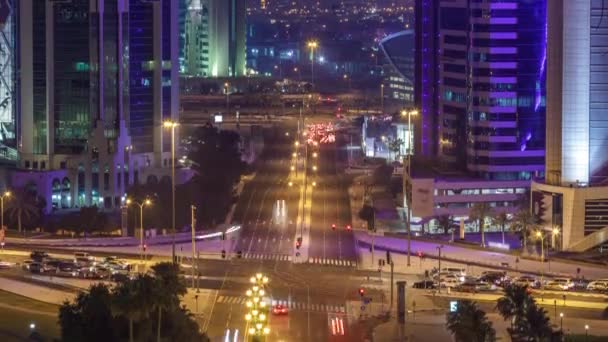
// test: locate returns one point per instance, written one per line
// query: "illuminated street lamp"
(312, 45)
(6, 195)
(141, 205)
(172, 125)
(257, 315)
(408, 189)
(540, 235)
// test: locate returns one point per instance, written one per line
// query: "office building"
(574, 193)
(96, 80)
(8, 91)
(399, 71)
(480, 76)
(213, 38)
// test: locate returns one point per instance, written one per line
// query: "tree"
(529, 322)
(523, 221)
(395, 147)
(367, 214)
(501, 219)
(22, 204)
(89, 318)
(134, 300)
(445, 222)
(169, 287)
(470, 324)
(479, 212)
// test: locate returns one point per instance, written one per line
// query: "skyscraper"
(575, 189)
(8, 93)
(213, 37)
(96, 80)
(480, 85)
(227, 39)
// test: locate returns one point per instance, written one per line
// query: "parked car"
(526, 280)
(461, 272)
(116, 264)
(6, 264)
(580, 284)
(449, 281)
(476, 286)
(494, 277)
(425, 284)
(84, 262)
(26, 264)
(600, 285)
(39, 256)
(67, 269)
(95, 272)
(120, 277)
(36, 267)
(560, 284)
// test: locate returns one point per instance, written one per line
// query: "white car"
(560, 284)
(450, 282)
(6, 264)
(598, 285)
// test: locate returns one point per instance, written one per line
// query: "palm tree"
(523, 221)
(529, 322)
(469, 323)
(22, 204)
(501, 219)
(479, 212)
(514, 304)
(134, 300)
(445, 222)
(169, 286)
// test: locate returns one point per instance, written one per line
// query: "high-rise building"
(96, 80)
(213, 37)
(480, 88)
(8, 105)
(574, 193)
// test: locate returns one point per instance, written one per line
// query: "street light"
(257, 314)
(141, 205)
(561, 322)
(312, 45)
(227, 92)
(408, 192)
(540, 235)
(6, 194)
(172, 125)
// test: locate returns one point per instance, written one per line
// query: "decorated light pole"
(257, 314)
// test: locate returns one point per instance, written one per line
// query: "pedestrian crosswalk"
(291, 305)
(332, 262)
(262, 256)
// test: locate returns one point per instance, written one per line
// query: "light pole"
(561, 322)
(382, 99)
(141, 205)
(540, 235)
(172, 125)
(193, 223)
(408, 184)
(257, 316)
(227, 92)
(6, 194)
(439, 248)
(312, 45)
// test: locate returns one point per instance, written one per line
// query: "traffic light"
(298, 244)
(388, 257)
(145, 247)
(239, 254)
(348, 227)
(223, 254)
(361, 292)
(333, 226)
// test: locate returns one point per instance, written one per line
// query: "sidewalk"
(483, 258)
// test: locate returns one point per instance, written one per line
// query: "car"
(36, 267)
(39, 256)
(6, 264)
(560, 284)
(580, 284)
(26, 264)
(455, 270)
(67, 269)
(450, 282)
(494, 277)
(279, 310)
(116, 264)
(526, 280)
(100, 272)
(425, 284)
(51, 265)
(476, 286)
(600, 285)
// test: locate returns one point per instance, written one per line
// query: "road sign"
(453, 305)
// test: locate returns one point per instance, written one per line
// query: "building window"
(63, 165)
(27, 164)
(43, 165)
(35, 165)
